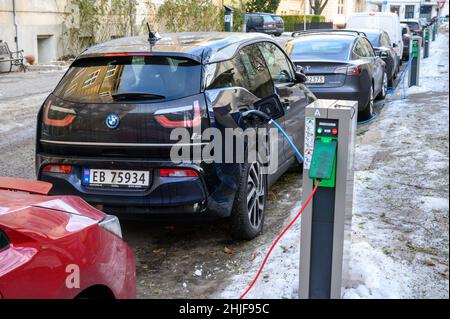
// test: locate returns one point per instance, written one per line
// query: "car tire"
(247, 215)
(367, 112)
(384, 87)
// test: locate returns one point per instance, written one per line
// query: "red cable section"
(279, 237)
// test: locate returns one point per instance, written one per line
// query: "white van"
(386, 21)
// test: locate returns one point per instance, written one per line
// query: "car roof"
(203, 47)
(370, 31)
(262, 13)
(323, 35)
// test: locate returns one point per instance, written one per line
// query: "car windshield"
(268, 19)
(106, 79)
(320, 48)
(374, 39)
(413, 25)
(277, 19)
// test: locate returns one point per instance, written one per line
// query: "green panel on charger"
(323, 164)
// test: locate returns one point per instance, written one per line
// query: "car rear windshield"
(277, 18)
(323, 48)
(106, 79)
(373, 38)
(268, 19)
(413, 25)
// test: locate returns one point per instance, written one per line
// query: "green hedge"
(291, 20)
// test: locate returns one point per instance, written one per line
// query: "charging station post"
(228, 18)
(414, 47)
(434, 31)
(326, 223)
(426, 45)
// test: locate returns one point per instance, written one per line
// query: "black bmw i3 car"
(106, 132)
(340, 64)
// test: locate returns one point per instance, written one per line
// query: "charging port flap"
(323, 164)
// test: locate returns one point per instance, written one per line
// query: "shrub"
(291, 20)
(190, 15)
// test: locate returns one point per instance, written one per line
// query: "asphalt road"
(183, 260)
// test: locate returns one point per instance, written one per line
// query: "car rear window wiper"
(136, 96)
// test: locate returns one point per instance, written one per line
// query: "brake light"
(59, 169)
(69, 116)
(112, 55)
(164, 121)
(354, 70)
(177, 172)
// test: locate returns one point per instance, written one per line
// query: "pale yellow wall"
(291, 7)
(295, 7)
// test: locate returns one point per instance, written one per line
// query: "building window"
(409, 12)
(340, 7)
(395, 9)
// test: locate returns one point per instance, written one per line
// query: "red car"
(59, 246)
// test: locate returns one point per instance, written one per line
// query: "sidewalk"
(400, 218)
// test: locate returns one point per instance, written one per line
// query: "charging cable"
(279, 237)
(288, 139)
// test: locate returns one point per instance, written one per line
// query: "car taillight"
(354, 70)
(161, 116)
(349, 70)
(58, 116)
(111, 223)
(113, 55)
(60, 169)
(177, 172)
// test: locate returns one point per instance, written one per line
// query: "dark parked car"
(260, 22)
(105, 132)
(406, 36)
(414, 25)
(340, 65)
(382, 46)
(279, 23)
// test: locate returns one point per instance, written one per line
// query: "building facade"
(49, 30)
(408, 9)
(336, 11)
(33, 26)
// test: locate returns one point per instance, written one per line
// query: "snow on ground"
(400, 220)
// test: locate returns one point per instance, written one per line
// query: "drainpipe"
(304, 15)
(16, 39)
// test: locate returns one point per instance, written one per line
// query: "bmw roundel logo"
(112, 121)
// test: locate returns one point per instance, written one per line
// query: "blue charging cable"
(266, 118)
(288, 139)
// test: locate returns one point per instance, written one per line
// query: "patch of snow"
(198, 272)
(373, 274)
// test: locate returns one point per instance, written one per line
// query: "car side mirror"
(271, 106)
(382, 54)
(300, 76)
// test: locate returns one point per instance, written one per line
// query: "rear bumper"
(279, 30)
(202, 195)
(266, 31)
(341, 93)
